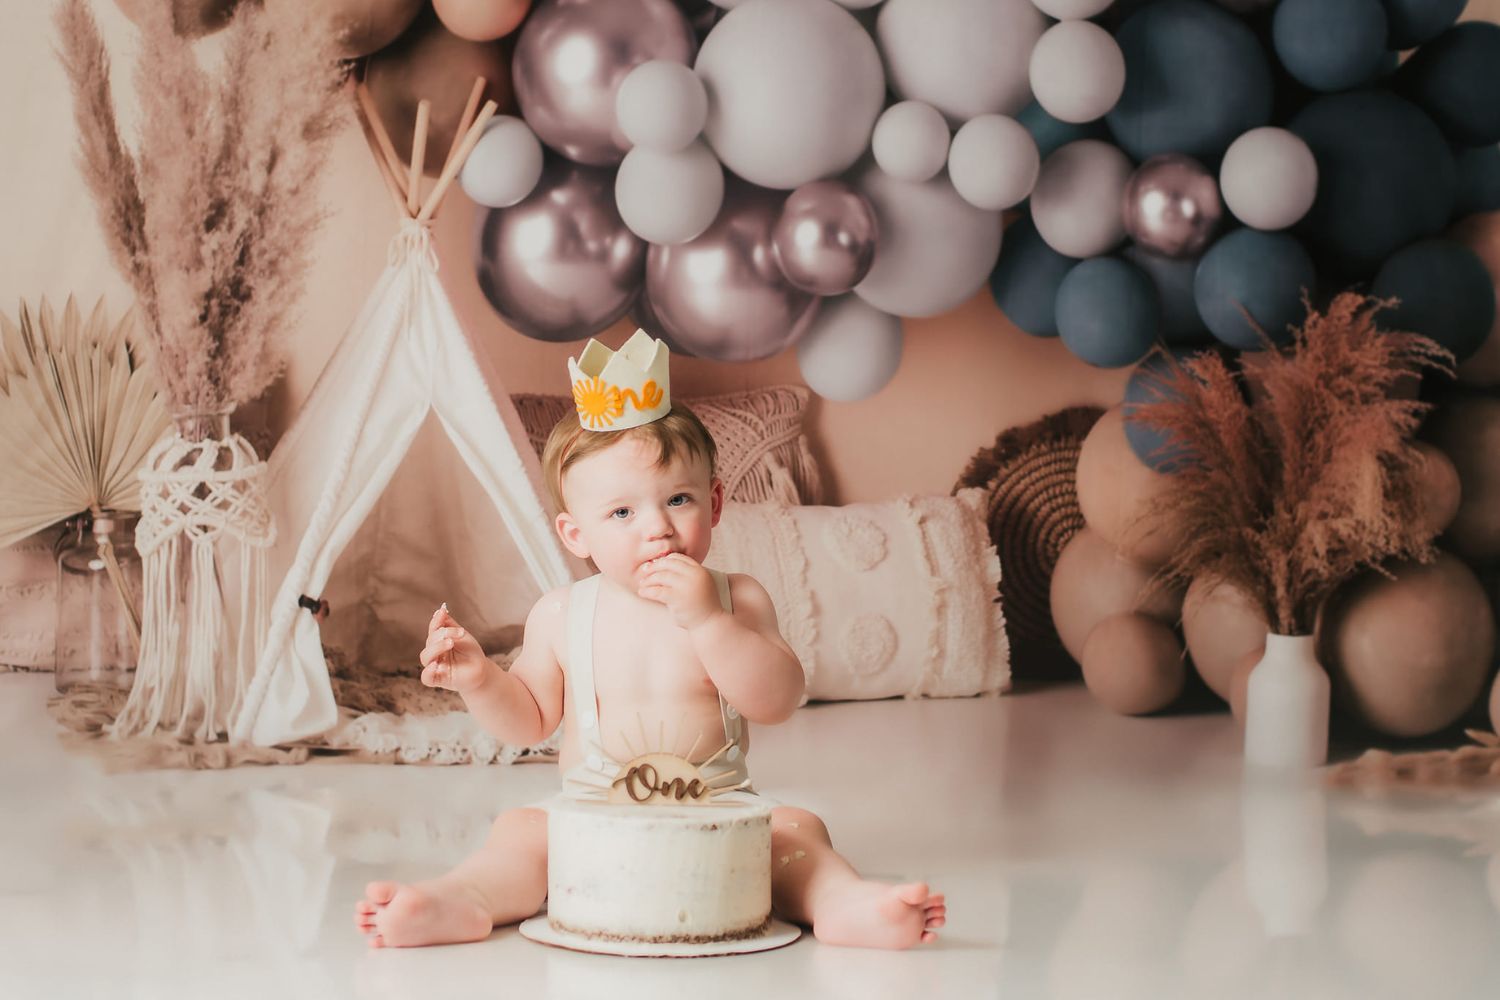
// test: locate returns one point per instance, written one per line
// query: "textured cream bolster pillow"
(878, 599)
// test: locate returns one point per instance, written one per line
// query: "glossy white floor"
(1083, 856)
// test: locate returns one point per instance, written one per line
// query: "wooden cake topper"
(654, 777)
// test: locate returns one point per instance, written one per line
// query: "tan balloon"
(431, 63)
(1481, 233)
(1441, 491)
(190, 18)
(1495, 707)
(1092, 581)
(481, 20)
(1467, 430)
(1222, 625)
(1239, 682)
(1133, 664)
(1409, 656)
(1115, 491)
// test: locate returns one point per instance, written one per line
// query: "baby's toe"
(379, 893)
(913, 893)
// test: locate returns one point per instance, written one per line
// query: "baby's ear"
(716, 499)
(570, 535)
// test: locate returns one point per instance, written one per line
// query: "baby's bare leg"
(503, 882)
(813, 886)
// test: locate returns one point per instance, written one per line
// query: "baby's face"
(624, 510)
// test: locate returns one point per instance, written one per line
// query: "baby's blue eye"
(619, 510)
(681, 496)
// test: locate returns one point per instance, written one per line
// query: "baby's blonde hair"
(680, 432)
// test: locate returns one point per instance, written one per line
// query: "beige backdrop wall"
(964, 376)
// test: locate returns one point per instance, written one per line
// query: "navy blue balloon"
(1196, 78)
(1025, 279)
(1385, 178)
(1415, 22)
(1051, 133)
(1478, 181)
(1455, 78)
(1262, 274)
(1107, 312)
(1173, 278)
(1330, 44)
(1444, 292)
(1156, 448)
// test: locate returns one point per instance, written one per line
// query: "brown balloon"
(1115, 490)
(1409, 656)
(360, 27)
(1495, 705)
(1132, 664)
(1441, 490)
(1222, 625)
(1467, 430)
(431, 63)
(1481, 233)
(190, 18)
(1239, 684)
(1092, 581)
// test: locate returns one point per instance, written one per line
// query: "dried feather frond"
(211, 219)
(79, 410)
(1310, 477)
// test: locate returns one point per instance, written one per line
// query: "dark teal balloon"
(1263, 274)
(1107, 312)
(1025, 279)
(1156, 448)
(1478, 181)
(1196, 78)
(1414, 22)
(1050, 133)
(1330, 44)
(1444, 291)
(1385, 178)
(1455, 78)
(1173, 278)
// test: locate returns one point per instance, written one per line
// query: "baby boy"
(682, 650)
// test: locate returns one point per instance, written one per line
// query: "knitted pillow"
(763, 455)
(1030, 477)
(878, 599)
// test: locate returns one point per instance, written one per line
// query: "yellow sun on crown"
(598, 402)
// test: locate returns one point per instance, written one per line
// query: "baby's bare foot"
(879, 915)
(406, 916)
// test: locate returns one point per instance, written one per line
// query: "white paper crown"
(614, 390)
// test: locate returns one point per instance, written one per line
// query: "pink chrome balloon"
(1171, 205)
(825, 237)
(561, 265)
(571, 57)
(722, 296)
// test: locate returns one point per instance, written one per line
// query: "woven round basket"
(1032, 512)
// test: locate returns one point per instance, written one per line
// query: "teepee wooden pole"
(418, 157)
(391, 183)
(455, 163)
(471, 108)
(387, 148)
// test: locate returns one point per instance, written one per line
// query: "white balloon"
(794, 89)
(964, 57)
(910, 141)
(504, 165)
(1269, 178)
(669, 197)
(1072, 10)
(1077, 71)
(1076, 202)
(851, 351)
(661, 105)
(935, 249)
(993, 162)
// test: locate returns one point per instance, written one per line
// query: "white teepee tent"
(406, 356)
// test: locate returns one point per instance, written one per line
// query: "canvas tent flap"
(405, 356)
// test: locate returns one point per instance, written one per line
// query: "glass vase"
(98, 600)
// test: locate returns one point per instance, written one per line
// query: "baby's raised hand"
(684, 586)
(452, 658)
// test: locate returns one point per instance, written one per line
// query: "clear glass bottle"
(98, 600)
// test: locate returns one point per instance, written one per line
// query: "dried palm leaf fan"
(79, 410)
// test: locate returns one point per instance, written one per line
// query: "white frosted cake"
(662, 873)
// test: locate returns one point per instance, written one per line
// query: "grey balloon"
(825, 237)
(722, 296)
(1171, 205)
(571, 57)
(561, 265)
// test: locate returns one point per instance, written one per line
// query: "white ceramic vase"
(1286, 707)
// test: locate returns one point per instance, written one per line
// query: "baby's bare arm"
(523, 706)
(746, 657)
